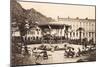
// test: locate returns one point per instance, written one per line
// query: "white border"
(5, 33)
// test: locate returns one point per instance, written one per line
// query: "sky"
(91, 2)
(54, 10)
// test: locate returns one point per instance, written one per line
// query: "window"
(83, 34)
(76, 33)
(61, 31)
(25, 38)
(33, 38)
(73, 34)
(86, 34)
(92, 34)
(37, 38)
(89, 34)
(38, 31)
(70, 34)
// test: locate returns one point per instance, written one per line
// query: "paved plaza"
(54, 57)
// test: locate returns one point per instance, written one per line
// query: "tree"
(67, 30)
(22, 15)
(80, 29)
(85, 42)
(91, 41)
(18, 13)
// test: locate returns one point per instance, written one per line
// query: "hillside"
(31, 15)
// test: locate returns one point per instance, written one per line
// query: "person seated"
(71, 52)
(66, 52)
(78, 52)
(65, 46)
(45, 55)
(34, 50)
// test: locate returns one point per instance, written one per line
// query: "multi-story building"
(88, 25)
(66, 28)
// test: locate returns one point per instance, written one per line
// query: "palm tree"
(80, 29)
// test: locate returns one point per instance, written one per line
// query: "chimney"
(58, 18)
(77, 17)
(68, 17)
(86, 18)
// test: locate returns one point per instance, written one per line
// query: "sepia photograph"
(52, 33)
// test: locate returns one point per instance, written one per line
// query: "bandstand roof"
(56, 25)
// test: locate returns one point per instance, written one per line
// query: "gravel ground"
(54, 57)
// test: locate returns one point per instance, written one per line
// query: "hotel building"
(66, 28)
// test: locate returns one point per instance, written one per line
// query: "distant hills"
(33, 15)
(20, 14)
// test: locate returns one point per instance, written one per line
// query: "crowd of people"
(69, 52)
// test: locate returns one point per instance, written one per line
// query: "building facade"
(66, 28)
(88, 25)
